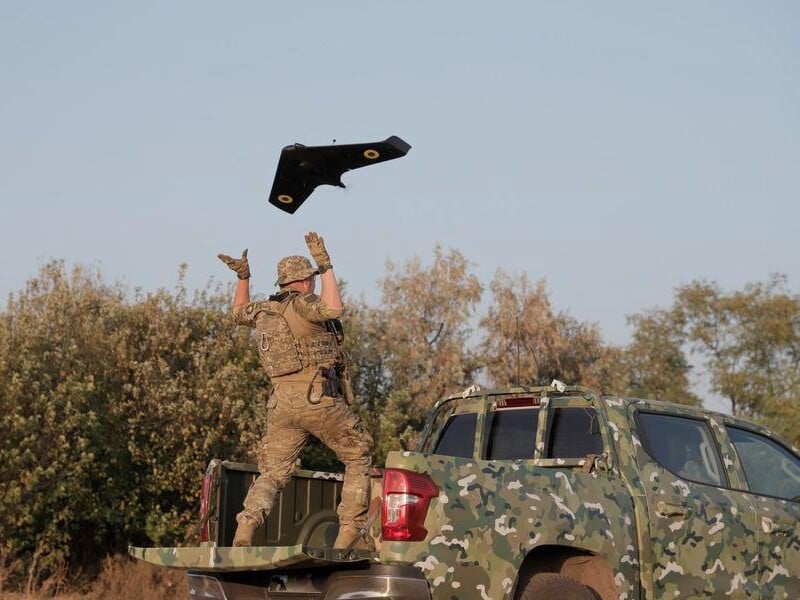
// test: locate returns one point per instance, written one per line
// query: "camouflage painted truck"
(531, 493)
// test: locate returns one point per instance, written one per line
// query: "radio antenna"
(517, 336)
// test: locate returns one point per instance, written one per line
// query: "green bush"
(112, 407)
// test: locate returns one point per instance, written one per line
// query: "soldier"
(299, 336)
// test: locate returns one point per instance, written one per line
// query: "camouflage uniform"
(307, 401)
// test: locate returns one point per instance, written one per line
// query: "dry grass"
(122, 578)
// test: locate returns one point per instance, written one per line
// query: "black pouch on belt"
(331, 384)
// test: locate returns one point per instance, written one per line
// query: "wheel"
(319, 530)
(552, 586)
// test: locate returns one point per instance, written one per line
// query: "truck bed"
(304, 513)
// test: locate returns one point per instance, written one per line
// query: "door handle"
(672, 509)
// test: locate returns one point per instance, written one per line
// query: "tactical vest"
(281, 353)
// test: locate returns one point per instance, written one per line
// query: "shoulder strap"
(282, 299)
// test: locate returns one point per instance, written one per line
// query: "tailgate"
(261, 558)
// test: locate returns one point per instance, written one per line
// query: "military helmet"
(294, 268)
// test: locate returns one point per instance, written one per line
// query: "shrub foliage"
(111, 409)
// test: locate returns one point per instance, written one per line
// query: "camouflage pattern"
(294, 268)
(777, 523)
(661, 536)
(491, 513)
(321, 350)
(707, 540)
(655, 534)
(277, 348)
(260, 558)
(291, 334)
(702, 538)
(297, 410)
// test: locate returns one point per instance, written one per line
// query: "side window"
(770, 468)
(574, 433)
(440, 419)
(458, 436)
(512, 434)
(683, 445)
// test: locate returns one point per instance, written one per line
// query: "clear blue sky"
(616, 149)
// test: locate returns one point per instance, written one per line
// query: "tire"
(552, 586)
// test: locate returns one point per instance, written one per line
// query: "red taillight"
(205, 502)
(406, 496)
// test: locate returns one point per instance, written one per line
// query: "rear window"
(574, 433)
(458, 436)
(512, 434)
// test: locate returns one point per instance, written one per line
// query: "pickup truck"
(524, 493)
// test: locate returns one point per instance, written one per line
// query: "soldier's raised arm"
(329, 292)
(241, 267)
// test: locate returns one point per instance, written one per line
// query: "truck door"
(702, 534)
(772, 474)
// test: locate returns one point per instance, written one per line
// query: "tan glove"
(239, 265)
(316, 245)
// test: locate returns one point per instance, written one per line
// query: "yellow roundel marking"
(371, 154)
(285, 199)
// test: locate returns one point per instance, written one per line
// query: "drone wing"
(302, 168)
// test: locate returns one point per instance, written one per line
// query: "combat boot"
(245, 531)
(350, 537)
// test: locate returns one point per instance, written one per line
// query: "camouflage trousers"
(291, 418)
